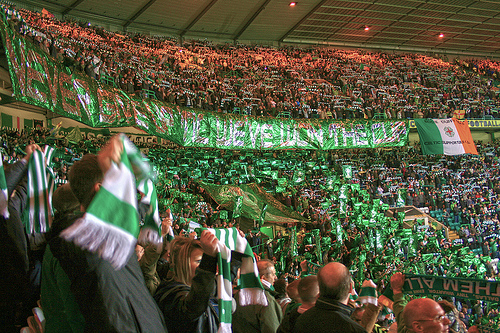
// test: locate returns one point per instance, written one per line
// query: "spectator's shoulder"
(62, 222)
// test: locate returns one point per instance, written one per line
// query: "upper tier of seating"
(289, 81)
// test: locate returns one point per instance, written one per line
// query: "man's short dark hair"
(83, 176)
(337, 291)
(308, 288)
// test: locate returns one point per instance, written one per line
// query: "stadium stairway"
(452, 235)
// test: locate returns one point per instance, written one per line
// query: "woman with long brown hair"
(185, 298)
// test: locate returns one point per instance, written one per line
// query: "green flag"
(254, 198)
(401, 201)
(237, 207)
(268, 231)
(262, 216)
(298, 176)
(75, 135)
(347, 171)
(293, 240)
(445, 136)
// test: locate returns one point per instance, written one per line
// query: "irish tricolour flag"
(445, 136)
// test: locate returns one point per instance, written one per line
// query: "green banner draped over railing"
(253, 200)
(40, 80)
(483, 290)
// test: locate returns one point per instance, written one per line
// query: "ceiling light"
(292, 4)
(441, 35)
(367, 28)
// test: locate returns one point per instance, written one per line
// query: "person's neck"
(305, 306)
(345, 301)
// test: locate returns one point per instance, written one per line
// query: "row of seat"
(450, 221)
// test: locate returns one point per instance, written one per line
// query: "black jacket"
(14, 245)
(188, 309)
(327, 316)
(110, 300)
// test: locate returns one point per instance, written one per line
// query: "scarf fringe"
(109, 242)
(4, 203)
(250, 296)
(225, 328)
(368, 300)
(38, 219)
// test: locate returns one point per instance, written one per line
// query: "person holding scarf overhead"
(184, 299)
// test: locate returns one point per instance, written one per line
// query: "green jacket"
(257, 318)
(59, 305)
(399, 305)
(148, 264)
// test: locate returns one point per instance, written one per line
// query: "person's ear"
(97, 186)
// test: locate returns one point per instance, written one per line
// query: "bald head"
(473, 329)
(416, 309)
(334, 281)
(424, 315)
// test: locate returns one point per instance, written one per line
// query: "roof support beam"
(302, 20)
(138, 13)
(438, 23)
(370, 17)
(197, 18)
(397, 13)
(71, 7)
(254, 16)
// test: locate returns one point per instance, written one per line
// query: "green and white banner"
(39, 79)
(483, 290)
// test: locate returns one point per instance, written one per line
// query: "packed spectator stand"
(460, 192)
(288, 81)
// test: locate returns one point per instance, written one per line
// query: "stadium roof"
(468, 27)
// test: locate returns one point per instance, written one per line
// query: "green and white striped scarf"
(39, 196)
(151, 230)
(49, 153)
(110, 225)
(252, 291)
(368, 293)
(4, 195)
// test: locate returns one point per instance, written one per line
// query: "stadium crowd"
(347, 214)
(287, 81)
(460, 188)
